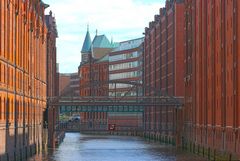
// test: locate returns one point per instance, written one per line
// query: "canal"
(80, 147)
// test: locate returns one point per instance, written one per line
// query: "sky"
(119, 20)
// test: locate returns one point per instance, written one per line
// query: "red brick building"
(98, 69)
(64, 84)
(90, 87)
(69, 84)
(23, 89)
(52, 78)
(93, 72)
(164, 67)
(212, 77)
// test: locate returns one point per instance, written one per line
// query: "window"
(119, 85)
(124, 65)
(134, 54)
(124, 75)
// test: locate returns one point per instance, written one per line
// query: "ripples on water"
(79, 147)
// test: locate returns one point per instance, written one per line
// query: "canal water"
(80, 147)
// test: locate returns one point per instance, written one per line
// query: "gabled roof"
(101, 41)
(86, 48)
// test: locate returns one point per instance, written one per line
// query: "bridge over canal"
(126, 103)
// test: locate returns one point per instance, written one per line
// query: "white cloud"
(122, 19)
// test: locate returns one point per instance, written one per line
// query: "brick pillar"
(51, 126)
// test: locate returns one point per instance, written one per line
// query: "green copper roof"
(87, 44)
(101, 41)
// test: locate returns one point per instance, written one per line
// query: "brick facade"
(164, 66)
(69, 84)
(212, 76)
(52, 77)
(23, 35)
(93, 82)
(64, 84)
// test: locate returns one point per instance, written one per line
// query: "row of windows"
(3, 77)
(97, 92)
(119, 85)
(9, 113)
(134, 54)
(29, 50)
(95, 115)
(120, 94)
(22, 81)
(124, 65)
(125, 75)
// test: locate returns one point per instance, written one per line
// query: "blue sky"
(117, 19)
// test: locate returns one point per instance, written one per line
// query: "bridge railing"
(77, 126)
(111, 99)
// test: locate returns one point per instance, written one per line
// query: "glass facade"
(124, 65)
(119, 57)
(125, 75)
(132, 93)
(119, 85)
(131, 44)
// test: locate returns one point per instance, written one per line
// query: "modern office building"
(125, 65)
(23, 82)
(164, 68)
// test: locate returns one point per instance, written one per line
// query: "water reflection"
(79, 147)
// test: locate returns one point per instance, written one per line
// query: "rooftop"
(86, 48)
(130, 44)
(101, 41)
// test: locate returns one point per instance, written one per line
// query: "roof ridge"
(101, 41)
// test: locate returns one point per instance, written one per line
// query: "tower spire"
(86, 48)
